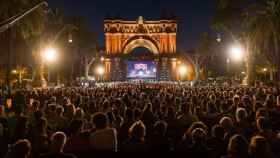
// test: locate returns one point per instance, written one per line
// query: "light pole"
(48, 56)
(236, 53)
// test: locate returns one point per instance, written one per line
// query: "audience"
(158, 117)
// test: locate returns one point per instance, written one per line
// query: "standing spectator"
(260, 148)
(237, 147)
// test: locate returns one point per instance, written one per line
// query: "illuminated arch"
(141, 42)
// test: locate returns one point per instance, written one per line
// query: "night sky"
(194, 15)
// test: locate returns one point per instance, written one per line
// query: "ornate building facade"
(122, 37)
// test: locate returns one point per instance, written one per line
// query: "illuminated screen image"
(141, 69)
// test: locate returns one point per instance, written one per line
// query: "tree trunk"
(250, 78)
(86, 68)
(271, 74)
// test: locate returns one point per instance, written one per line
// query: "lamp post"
(236, 53)
(49, 55)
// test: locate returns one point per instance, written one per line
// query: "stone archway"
(140, 43)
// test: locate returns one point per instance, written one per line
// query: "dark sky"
(194, 15)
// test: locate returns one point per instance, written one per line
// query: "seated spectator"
(58, 141)
(39, 137)
(78, 140)
(227, 123)
(198, 147)
(216, 141)
(136, 141)
(242, 124)
(21, 149)
(237, 147)
(260, 148)
(158, 141)
(103, 138)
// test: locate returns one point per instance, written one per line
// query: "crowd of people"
(218, 122)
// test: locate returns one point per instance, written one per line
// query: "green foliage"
(29, 27)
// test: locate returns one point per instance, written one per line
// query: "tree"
(30, 27)
(85, 43)
(204, 53)
(265, 27)
(232, 17)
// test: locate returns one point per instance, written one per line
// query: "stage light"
(141, 73)
(236, 53)
(182, 70)
(264, 69)
(50, 55)
(100, 70)
(102, 59)
(14, 72)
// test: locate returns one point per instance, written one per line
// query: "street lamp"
(236, 53)
(50, 55)
(264, 71)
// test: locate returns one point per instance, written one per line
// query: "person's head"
(59, 110)
(238, 147)
(236, 99)
(21, 149)
(261, 112)
(100, 120)
(71, 110)
(137, 131)
(259, 147)
(79, 114)
(38, 114)
(194, 126)
(226, 122)
(58, 141)
(137, 114)
(217, 131)
(128, 114)
(241, 114)
(160, 128)
(51, 109)
(76, 126)
(262, 123)
(198, 135)
(42, 124)
(119, 121)
(148, 107)
(18, 110)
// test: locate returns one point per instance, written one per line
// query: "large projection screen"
(141, 69)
